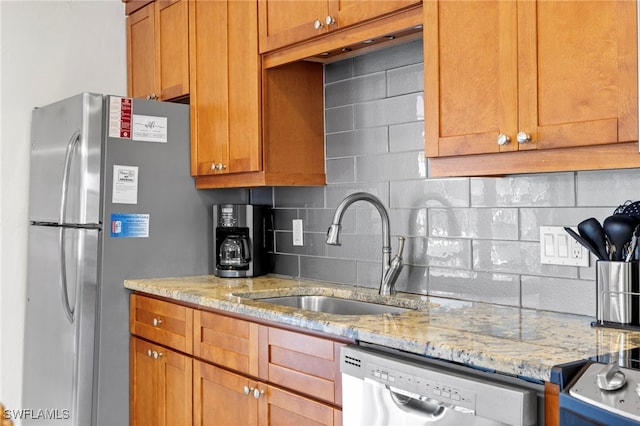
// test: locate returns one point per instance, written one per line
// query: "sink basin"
(333, 305)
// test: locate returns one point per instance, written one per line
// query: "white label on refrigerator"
(120, 110)
(149, 129)
(125, 185)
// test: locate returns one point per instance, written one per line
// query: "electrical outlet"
(297, 232)
(557, 247)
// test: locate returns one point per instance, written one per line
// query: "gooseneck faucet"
(390, 268)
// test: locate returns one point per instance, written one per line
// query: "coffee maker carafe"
(234, 251)
(242, 240)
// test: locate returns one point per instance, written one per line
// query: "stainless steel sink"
(333, 305)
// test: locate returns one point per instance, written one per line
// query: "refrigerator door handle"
(68, 310)
(71, 147)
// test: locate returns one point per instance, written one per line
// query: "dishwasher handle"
(430, 409)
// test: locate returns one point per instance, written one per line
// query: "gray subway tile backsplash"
(473, 239)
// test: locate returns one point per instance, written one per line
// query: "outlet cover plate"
(557, 247)
(297, 232)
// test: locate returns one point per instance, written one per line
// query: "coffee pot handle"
(245, 249)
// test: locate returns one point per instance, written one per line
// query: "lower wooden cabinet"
(222, 397)
(161, 385)
(224, 370)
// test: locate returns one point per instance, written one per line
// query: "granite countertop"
(509, 340)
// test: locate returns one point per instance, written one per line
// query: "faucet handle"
(401, 241)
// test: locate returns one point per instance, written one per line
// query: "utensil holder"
(617, 298)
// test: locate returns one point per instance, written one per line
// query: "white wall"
(49, 50)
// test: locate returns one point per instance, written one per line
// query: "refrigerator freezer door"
(58, 353)
(66, 140)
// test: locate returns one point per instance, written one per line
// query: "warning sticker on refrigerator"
(120, 113)
(124, 225)
(125, 185)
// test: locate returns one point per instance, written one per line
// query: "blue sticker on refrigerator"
(124, 225)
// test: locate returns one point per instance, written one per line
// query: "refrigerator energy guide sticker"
(125, 225)
(125, 185)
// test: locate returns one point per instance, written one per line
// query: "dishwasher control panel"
(425, 384)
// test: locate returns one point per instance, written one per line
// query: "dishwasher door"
(379, 388)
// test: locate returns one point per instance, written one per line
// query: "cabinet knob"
(157, 355)
(503, 139)
(218, 166)
(317, 24)
(157, 322)
(247, 390)
(149, 353)
(523, 137)
(152, 97)
(329, 20)
(257, 393)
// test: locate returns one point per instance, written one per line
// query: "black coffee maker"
(242, 236)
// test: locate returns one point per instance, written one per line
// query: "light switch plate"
(297, 232)
(557, 247)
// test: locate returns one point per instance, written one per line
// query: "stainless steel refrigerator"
(110, 198)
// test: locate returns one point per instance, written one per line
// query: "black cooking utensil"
(591, 230)
(584, 243)
(619, 230)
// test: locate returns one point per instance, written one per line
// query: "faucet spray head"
(333, 234)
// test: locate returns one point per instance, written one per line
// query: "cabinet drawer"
(307, 364)
(162, 322)
(281, 407)
(227, 341)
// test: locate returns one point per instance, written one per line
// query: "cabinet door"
(220, 398)
(144, 398)
(225, 87)
(280, 407)
(578, 72)
(350, 12)
(161, 391)
(286, 22)
(303, 363)
(470, 76)
(141, 52)
(172, 63)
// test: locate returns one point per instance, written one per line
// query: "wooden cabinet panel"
(163, 322)
(226, 341)
(578, 82)
(225, 81)
(158, 50)
(141, 55)
(351, 12)
(144, 404)
(290, 21)
(219, 397)
(303, 363)
(160, 385)
(563, 73)
(281, 407)
(284, 23)
(173, 48)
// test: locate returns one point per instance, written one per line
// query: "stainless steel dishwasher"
(384, 387)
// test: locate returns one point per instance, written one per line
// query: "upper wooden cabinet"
(287, 22)
(525, 86)
(158, 50)
(249, 127)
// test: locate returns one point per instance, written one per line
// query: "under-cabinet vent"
(356, 362)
